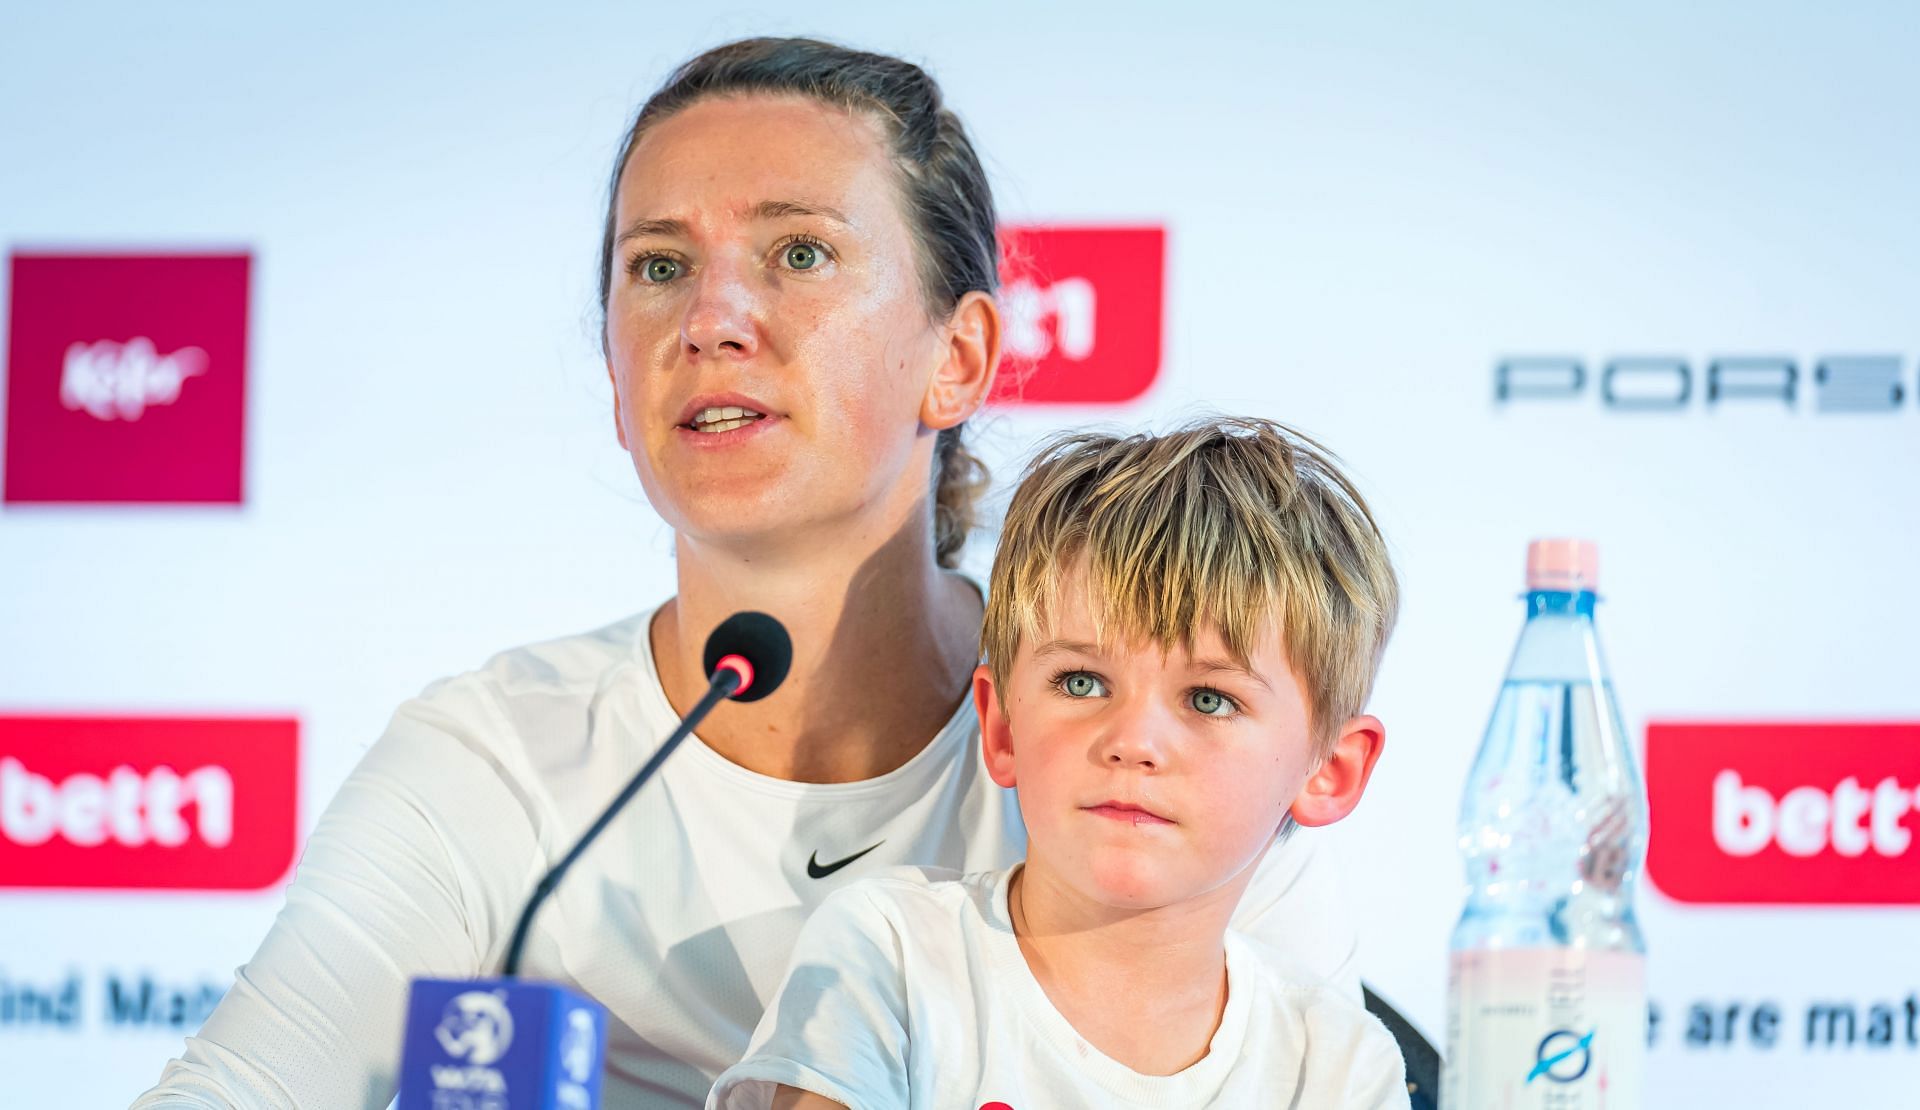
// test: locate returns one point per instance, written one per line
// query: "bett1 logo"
(145, 803)
(1803, 813)
(1082, 310)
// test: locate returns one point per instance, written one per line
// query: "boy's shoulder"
(913, 898)
(1344, 1055)
(1326, 1010)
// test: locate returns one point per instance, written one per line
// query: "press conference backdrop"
(304, 409)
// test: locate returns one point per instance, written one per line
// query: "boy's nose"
(1135, 742)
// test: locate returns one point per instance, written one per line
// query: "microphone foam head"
(762, 642)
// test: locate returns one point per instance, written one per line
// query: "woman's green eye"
(803, 256)
(1212, 702)
(1082, 685)
(662, 269)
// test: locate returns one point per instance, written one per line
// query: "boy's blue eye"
(1080, 684)
(1213, 703)
(803, 256)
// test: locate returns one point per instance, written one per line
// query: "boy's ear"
(1332, 791)
(964, 377)
(996, 737)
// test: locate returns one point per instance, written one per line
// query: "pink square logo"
(126, 378)
(1082, 309)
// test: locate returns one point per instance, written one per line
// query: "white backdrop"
(1365, 209)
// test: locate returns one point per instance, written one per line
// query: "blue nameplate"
(501, 1044)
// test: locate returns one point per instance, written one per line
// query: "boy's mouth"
(1127, 812)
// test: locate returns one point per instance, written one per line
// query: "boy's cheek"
(1249, 805)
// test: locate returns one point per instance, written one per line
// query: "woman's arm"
(410, 872)
(1296, 907)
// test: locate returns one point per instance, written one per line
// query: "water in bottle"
(1546, 1001)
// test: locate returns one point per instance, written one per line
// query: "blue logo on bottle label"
(1563, 1056)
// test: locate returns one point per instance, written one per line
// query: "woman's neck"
(883, 644)
(1146, 987)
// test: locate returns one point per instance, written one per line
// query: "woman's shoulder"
(582, 659)
(526, 711)
(545, 673)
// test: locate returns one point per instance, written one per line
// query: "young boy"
(1180, 637)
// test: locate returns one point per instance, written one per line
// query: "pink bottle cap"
(1571, 565)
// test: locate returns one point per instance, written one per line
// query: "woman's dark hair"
(949, 207)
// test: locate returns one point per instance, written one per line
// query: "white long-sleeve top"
(679, 920)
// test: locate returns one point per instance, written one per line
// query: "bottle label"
(1545, 1029)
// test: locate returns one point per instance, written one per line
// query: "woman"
(797, 275)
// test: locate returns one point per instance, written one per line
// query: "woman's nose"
(721, 319)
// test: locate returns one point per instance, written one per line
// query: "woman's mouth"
(722, 418)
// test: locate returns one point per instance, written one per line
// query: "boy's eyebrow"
(1077, 647)
(1205, 666)
(1230, 667)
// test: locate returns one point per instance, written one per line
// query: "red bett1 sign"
(147, 803)
(1082, 310)
(1785, 813)
(126, 378)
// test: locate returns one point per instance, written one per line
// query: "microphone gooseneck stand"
(724, 683)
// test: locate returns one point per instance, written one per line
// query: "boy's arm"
(793, 1098)
(835, 1033)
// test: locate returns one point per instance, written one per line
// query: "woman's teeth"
(724, 418)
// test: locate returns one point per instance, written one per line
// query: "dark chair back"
(1423, 1060)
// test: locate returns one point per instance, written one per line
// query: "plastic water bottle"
(1546, 1002)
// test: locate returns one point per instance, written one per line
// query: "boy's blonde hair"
(1224, 524)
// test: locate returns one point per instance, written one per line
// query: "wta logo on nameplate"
(1083, 311)
(147, 803)
(1766, 813)
(126, 378)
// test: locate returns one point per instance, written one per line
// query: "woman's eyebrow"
(663, 228)
(776, 209)
(765, 210)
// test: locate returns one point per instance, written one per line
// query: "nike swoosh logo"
(817, 870)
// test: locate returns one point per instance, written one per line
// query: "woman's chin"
(739, 513)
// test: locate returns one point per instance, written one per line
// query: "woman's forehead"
(730, 158)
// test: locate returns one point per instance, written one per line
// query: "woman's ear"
(963, 379)
(996, 736)
(1332, 791)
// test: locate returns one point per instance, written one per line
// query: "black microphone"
(746, 659)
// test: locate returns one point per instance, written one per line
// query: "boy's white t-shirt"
(909, 990)
(679, 919)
